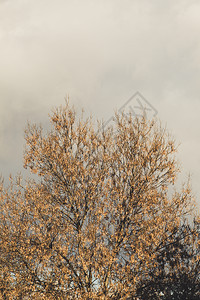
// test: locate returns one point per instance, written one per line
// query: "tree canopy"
(100, 222)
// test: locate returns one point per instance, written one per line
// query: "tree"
(96, 222)
(176, 274)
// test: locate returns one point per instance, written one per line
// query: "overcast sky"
(100, 52)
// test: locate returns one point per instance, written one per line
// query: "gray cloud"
(100, 53)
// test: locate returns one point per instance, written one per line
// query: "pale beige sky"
(100, 52)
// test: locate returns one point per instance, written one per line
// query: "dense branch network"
(100, 222)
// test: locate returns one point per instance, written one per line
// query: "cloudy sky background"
(100, 52)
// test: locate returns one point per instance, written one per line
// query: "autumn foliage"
(99, 221)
